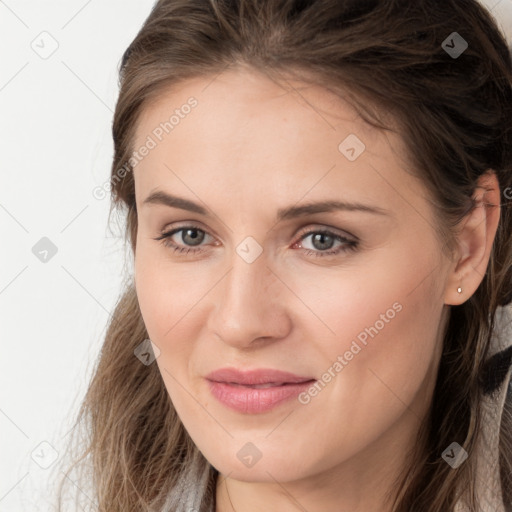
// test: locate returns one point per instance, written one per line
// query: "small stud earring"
(459, 289)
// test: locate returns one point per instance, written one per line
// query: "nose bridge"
(246, 288)
(246, 304)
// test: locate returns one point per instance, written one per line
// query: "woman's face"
(350, 295)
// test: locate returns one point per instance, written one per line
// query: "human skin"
(249, 148)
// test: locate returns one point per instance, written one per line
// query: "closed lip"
(256, 376)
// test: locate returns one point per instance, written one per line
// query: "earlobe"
(474, 240)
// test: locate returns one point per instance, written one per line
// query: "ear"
(474, 241)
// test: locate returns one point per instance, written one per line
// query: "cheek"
(393, 290)
(393, 309)
(171, 298)
(166, 292)
(385, 345)
(164, 302)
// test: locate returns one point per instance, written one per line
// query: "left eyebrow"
(328, 206)
(161, 197)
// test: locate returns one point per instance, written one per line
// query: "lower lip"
(255, 400)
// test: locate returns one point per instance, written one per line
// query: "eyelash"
(348, 245)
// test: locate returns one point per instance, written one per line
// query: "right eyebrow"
(161, 197)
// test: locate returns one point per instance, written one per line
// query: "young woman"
(318, 203)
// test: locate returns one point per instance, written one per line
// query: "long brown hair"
(454, 115)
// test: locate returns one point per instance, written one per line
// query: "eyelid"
(348, 241)
(305, 231)
(314, 228)
(187, 224)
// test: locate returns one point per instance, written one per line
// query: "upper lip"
(257, 376)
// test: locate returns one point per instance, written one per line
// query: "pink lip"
(232, 387)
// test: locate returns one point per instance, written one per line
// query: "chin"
(266, 469)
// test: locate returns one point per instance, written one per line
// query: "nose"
(250, 305)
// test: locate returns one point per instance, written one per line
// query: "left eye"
(321, 239)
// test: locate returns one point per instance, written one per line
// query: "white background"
(55, 140)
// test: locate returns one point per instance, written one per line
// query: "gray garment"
(191, 494)
(488, 481)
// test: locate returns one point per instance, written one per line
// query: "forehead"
(244, 96)
(246, 133)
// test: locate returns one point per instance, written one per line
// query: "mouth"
(262, 386)
(255, 391)
(256, 377)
